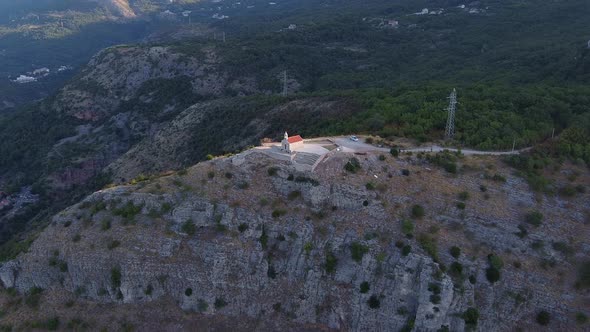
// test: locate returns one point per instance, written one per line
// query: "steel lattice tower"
(450, 129)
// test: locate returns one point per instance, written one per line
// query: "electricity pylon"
(450, 129)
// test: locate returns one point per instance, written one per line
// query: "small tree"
(534, 218)
(455, 251)
(470, 316)
(374, 302)
(417, 211)
(394, 152)
(365, 287)
(543, 318)
(188, 227)
(357, 251)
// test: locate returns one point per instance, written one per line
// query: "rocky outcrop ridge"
(262, 240)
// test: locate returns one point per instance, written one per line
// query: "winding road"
(347, 145)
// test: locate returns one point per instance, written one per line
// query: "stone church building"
(289, 144)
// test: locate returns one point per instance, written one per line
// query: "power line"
(450, 128)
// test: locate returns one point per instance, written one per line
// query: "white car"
(354, 138)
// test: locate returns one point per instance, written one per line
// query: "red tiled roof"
(295, 139)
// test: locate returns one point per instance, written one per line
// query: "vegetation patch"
(534, 218)
(331, 262)
(417, 211)
(428, 243)
(357, 251)
(189, 228)
(365, 287)
(353, 165)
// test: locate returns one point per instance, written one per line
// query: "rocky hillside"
(388, 244)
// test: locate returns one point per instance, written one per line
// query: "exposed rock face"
(232, 241)
(121, 7)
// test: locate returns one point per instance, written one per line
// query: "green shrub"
(464, 195)
(116, 277)
(294, 195)
(405, 172)
(188, 291)
(429, 245)
(581, 318)
(149, 290)
(522, 231)
(584, 275)
(113, 244)
(498, 178)
(242, 227)
(374, 302)
(33, 297)
(202, 306)
(128, 211)
(435, 299)
(450, 167)
(50, 324)
(307, 247)
(563, 248)
(272, 171)
(407, 226)
(365, 287)
(456, 270)
(406, 250)
(382, 157)
(470, 316)
(211, 174)
(219, 303)
(534, 218)
(543, 318)
(461, 205)
(492, 274)
(495, 261)
(331, 262)
(370, 186)
(77, 324)
(263, 238)
(417, 211)
(305, 179)
(353, 165)
(568, 191)
(455, 251)
(77, 238)
(537, 245)
(394, 152)
(271, 272)
(278, 213)
(357, 251)
(105, 224)
(188, 227)
(165, 208)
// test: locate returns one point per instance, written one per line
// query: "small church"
(289, 144)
